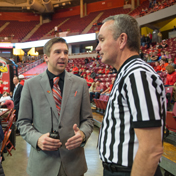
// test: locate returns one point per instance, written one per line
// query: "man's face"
(15, 80)
(58, 59)
(107, 47)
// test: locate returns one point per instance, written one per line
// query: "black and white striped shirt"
(137, 100)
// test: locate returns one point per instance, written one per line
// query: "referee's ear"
(123, 40)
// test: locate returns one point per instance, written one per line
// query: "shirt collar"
(51, 75)
(17, 85)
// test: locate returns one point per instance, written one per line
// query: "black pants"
(108, 173)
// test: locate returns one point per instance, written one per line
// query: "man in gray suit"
(63, 156)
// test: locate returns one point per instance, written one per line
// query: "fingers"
(74, 142)
(47, 143)
(75, 128)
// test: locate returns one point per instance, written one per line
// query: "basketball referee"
(130, 140)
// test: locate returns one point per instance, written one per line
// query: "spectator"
(154, 58)
(7, 104)
(174, 29)
(86, 60)
(162, 55)
(89, 81)
(83, 72)
(147, 41)
(157, 66)
(80, 72)
(158, 46)
(163, 64)
(92, 74)
(75, 70)
(159, 37)
(5, 96)
(17, 94)
(155, 36)
(171, 75)
(87, 72)
(147, 57)
(107, 71)
(96, 92)
(143, 40)
(171, 62)
(150, 36)
(167, 55)
(92, 87)
(21, 79)
(164, 44)
(101, 70)
(150, 4)
(108, 90)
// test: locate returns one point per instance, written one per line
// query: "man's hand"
(47, 143)
(76, 140)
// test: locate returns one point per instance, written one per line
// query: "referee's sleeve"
(145, 96)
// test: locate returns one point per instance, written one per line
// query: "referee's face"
(107, 47)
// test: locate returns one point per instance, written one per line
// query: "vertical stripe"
(136, 97)
(147, 96)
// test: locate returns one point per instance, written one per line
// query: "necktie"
(57, 94)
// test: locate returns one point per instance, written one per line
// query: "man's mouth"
(101, 55)
(61, 63)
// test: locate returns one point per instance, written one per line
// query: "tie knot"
(56, 80)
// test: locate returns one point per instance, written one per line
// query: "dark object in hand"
(54, 135)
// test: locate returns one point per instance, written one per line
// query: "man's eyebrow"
(61, 50)
(100, 35)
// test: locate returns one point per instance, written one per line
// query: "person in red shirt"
(171, 75)
(107, 71)
(163, 64)
(8, 104)
(89, 80)
(21, 79)
(108, 90)
(157, 66)
(101, 70)
(83, 72)
(75, 70)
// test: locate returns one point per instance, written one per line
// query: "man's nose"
(98, 47)
(63, 55)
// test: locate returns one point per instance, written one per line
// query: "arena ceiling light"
(69, 39)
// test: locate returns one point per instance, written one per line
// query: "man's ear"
(123, 40)
(46, 58)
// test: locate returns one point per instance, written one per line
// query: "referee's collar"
(128, 60)
(51, 75)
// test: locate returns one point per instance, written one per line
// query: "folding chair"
(169, 93)
(171, 120)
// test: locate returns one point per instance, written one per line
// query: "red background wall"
(19, 16)
(91, 7)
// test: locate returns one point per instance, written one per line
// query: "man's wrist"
(83, 136)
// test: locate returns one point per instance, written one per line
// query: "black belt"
(115, 168)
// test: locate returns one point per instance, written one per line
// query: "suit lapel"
(44, 81)
(66, 92)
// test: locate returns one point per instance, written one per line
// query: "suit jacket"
(35, 120)
(17, 97)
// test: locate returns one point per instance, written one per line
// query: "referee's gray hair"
(126, 24)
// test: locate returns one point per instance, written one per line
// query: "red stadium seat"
(171, 120)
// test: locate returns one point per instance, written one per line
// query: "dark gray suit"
(35, 104)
